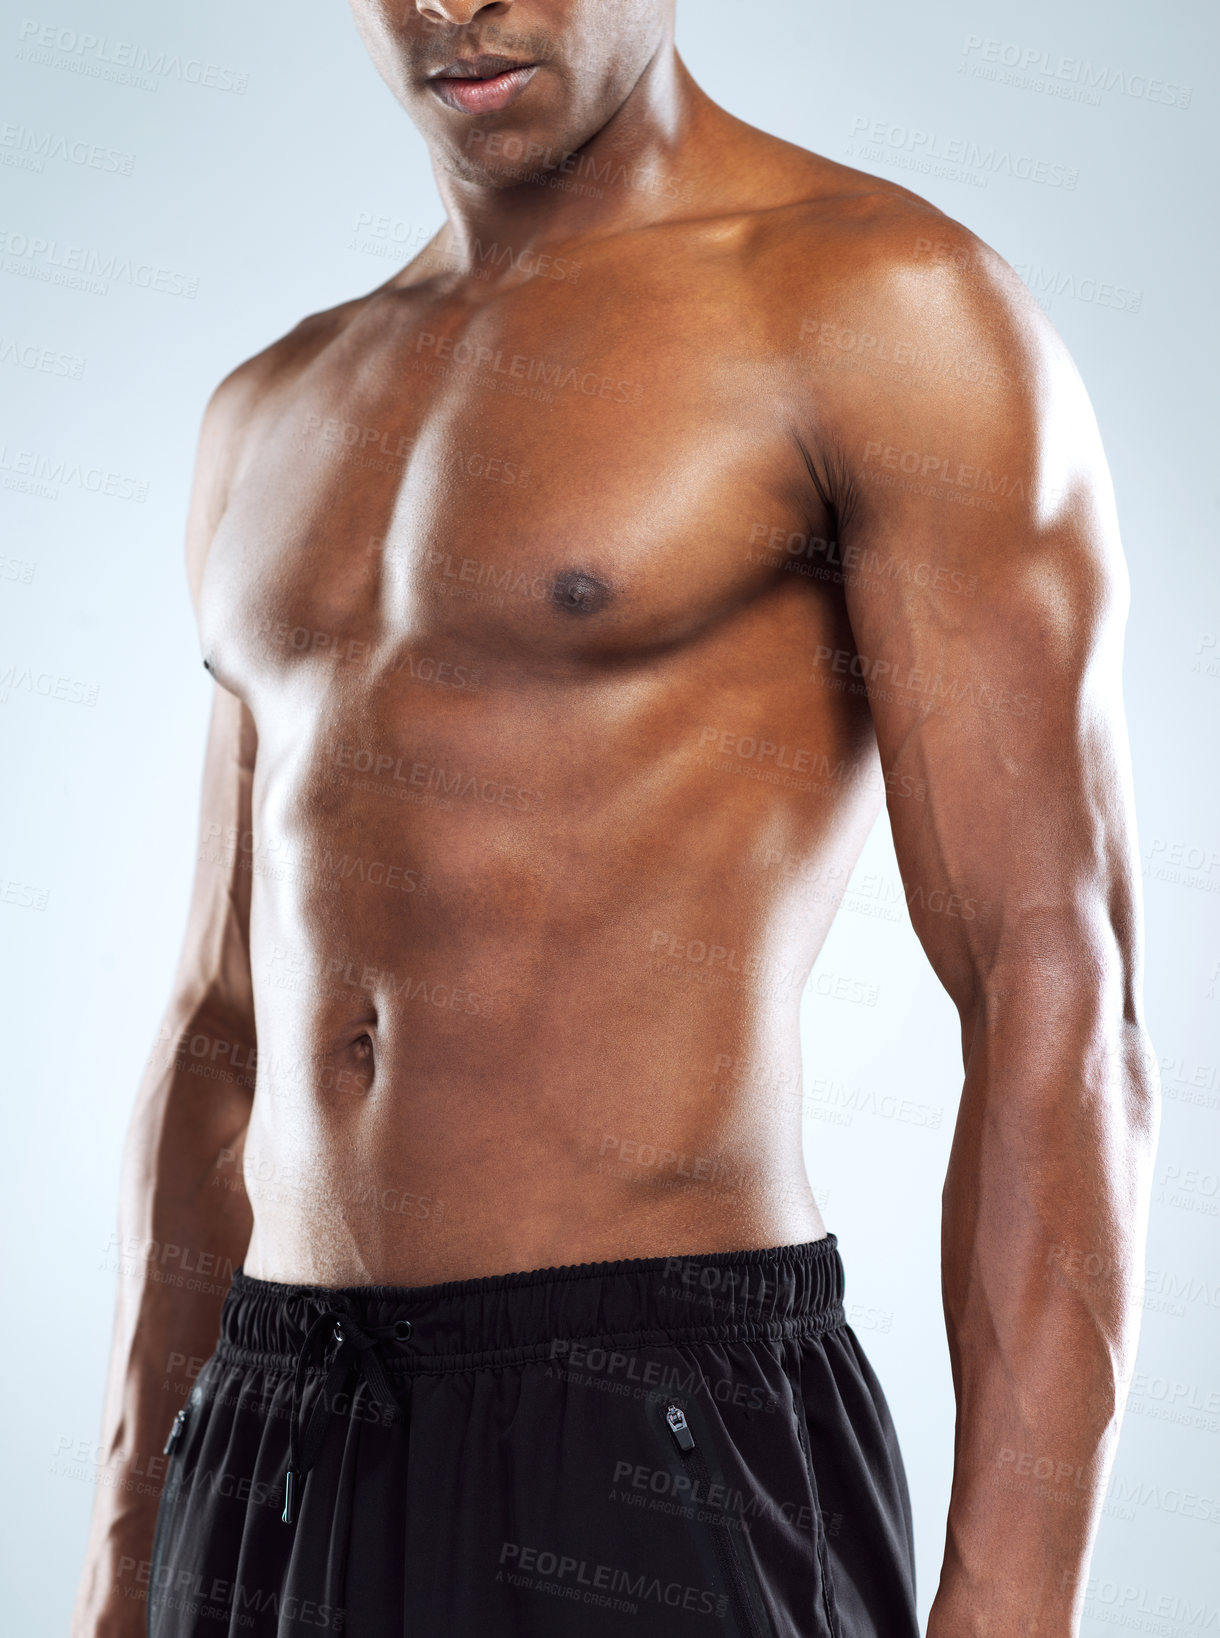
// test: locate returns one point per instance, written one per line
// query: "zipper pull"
(175, 1432)
(678, 1426)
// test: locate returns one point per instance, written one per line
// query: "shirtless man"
(574, 601)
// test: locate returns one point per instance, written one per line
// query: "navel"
(579, 593)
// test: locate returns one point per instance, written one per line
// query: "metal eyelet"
(402, 1330)
(338, 1333)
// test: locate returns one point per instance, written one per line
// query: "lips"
(481, 85)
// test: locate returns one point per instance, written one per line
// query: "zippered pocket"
(170, 1491)
(829, 1607)
(182, 1441)
(745, 1602)
(177, 1429)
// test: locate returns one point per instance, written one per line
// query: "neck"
(640, 167)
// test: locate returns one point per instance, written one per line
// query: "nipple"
(579, 593)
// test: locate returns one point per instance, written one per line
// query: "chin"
(507, 159)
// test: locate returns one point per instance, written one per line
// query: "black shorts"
(677, 1446)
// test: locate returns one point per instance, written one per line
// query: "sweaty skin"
(575, 601)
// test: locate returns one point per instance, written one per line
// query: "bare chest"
(536, 482)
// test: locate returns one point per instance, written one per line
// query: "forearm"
(1044, 1212)
(184, 1224)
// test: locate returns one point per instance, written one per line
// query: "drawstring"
(357, 1346)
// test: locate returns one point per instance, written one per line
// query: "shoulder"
(234, 409)
(868, 273)
(909, 349)
(893, 322)
(277, 366)
(847, 275)
(276, 370)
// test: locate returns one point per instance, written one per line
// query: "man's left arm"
(987, 597)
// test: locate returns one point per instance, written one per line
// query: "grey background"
(259, 197)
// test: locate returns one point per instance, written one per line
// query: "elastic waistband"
(509, 1319)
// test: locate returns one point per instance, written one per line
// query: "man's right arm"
(182, 1205)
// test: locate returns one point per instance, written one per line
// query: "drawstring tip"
(289, 1498)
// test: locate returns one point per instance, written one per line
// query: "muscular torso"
(551, 808)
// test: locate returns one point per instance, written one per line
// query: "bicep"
(987, 605)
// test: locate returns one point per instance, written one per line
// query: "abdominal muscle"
(589, 1108)
(410, 1179)
(568, 1030)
